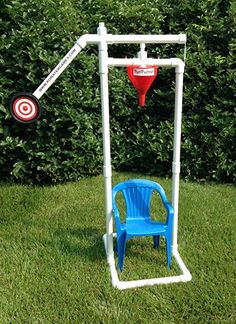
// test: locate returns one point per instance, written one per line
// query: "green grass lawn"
(53, 267)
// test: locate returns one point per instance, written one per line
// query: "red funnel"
(142, 78)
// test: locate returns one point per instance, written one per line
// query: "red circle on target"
(25, 108)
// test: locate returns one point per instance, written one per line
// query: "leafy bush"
(66, 143)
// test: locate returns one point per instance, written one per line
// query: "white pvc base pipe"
(117, 283)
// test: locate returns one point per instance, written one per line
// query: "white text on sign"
(143, 72)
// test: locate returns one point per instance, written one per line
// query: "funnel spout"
(141, 99)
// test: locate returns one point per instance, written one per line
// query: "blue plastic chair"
(137, 194)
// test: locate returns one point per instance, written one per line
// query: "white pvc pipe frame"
(103, 39)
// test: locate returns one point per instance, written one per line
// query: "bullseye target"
(25, 108)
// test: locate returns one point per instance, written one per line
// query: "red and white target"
(25, 108)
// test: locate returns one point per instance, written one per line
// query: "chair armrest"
(169, 208)
(117, 221)
(170, 213)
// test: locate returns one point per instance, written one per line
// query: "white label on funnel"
(143, 72)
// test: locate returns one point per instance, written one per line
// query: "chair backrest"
(137, 194)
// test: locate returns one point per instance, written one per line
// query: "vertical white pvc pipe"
(103, 71)
(176, 152)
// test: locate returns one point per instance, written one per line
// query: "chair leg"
(156, 241)
(168, 250)
(121, 244)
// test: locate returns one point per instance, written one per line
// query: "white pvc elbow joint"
(82, 41)
(182, 38)
(178, 64)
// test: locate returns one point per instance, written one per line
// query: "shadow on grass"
(83, 242)
(142, 261)
(143, 247)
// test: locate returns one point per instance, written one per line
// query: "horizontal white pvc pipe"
(135, 39)
(154, 39)
(172, 62)
(136, 61)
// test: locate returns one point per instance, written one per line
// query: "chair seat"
(144, 227)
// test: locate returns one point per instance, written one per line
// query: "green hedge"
(66, 143)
